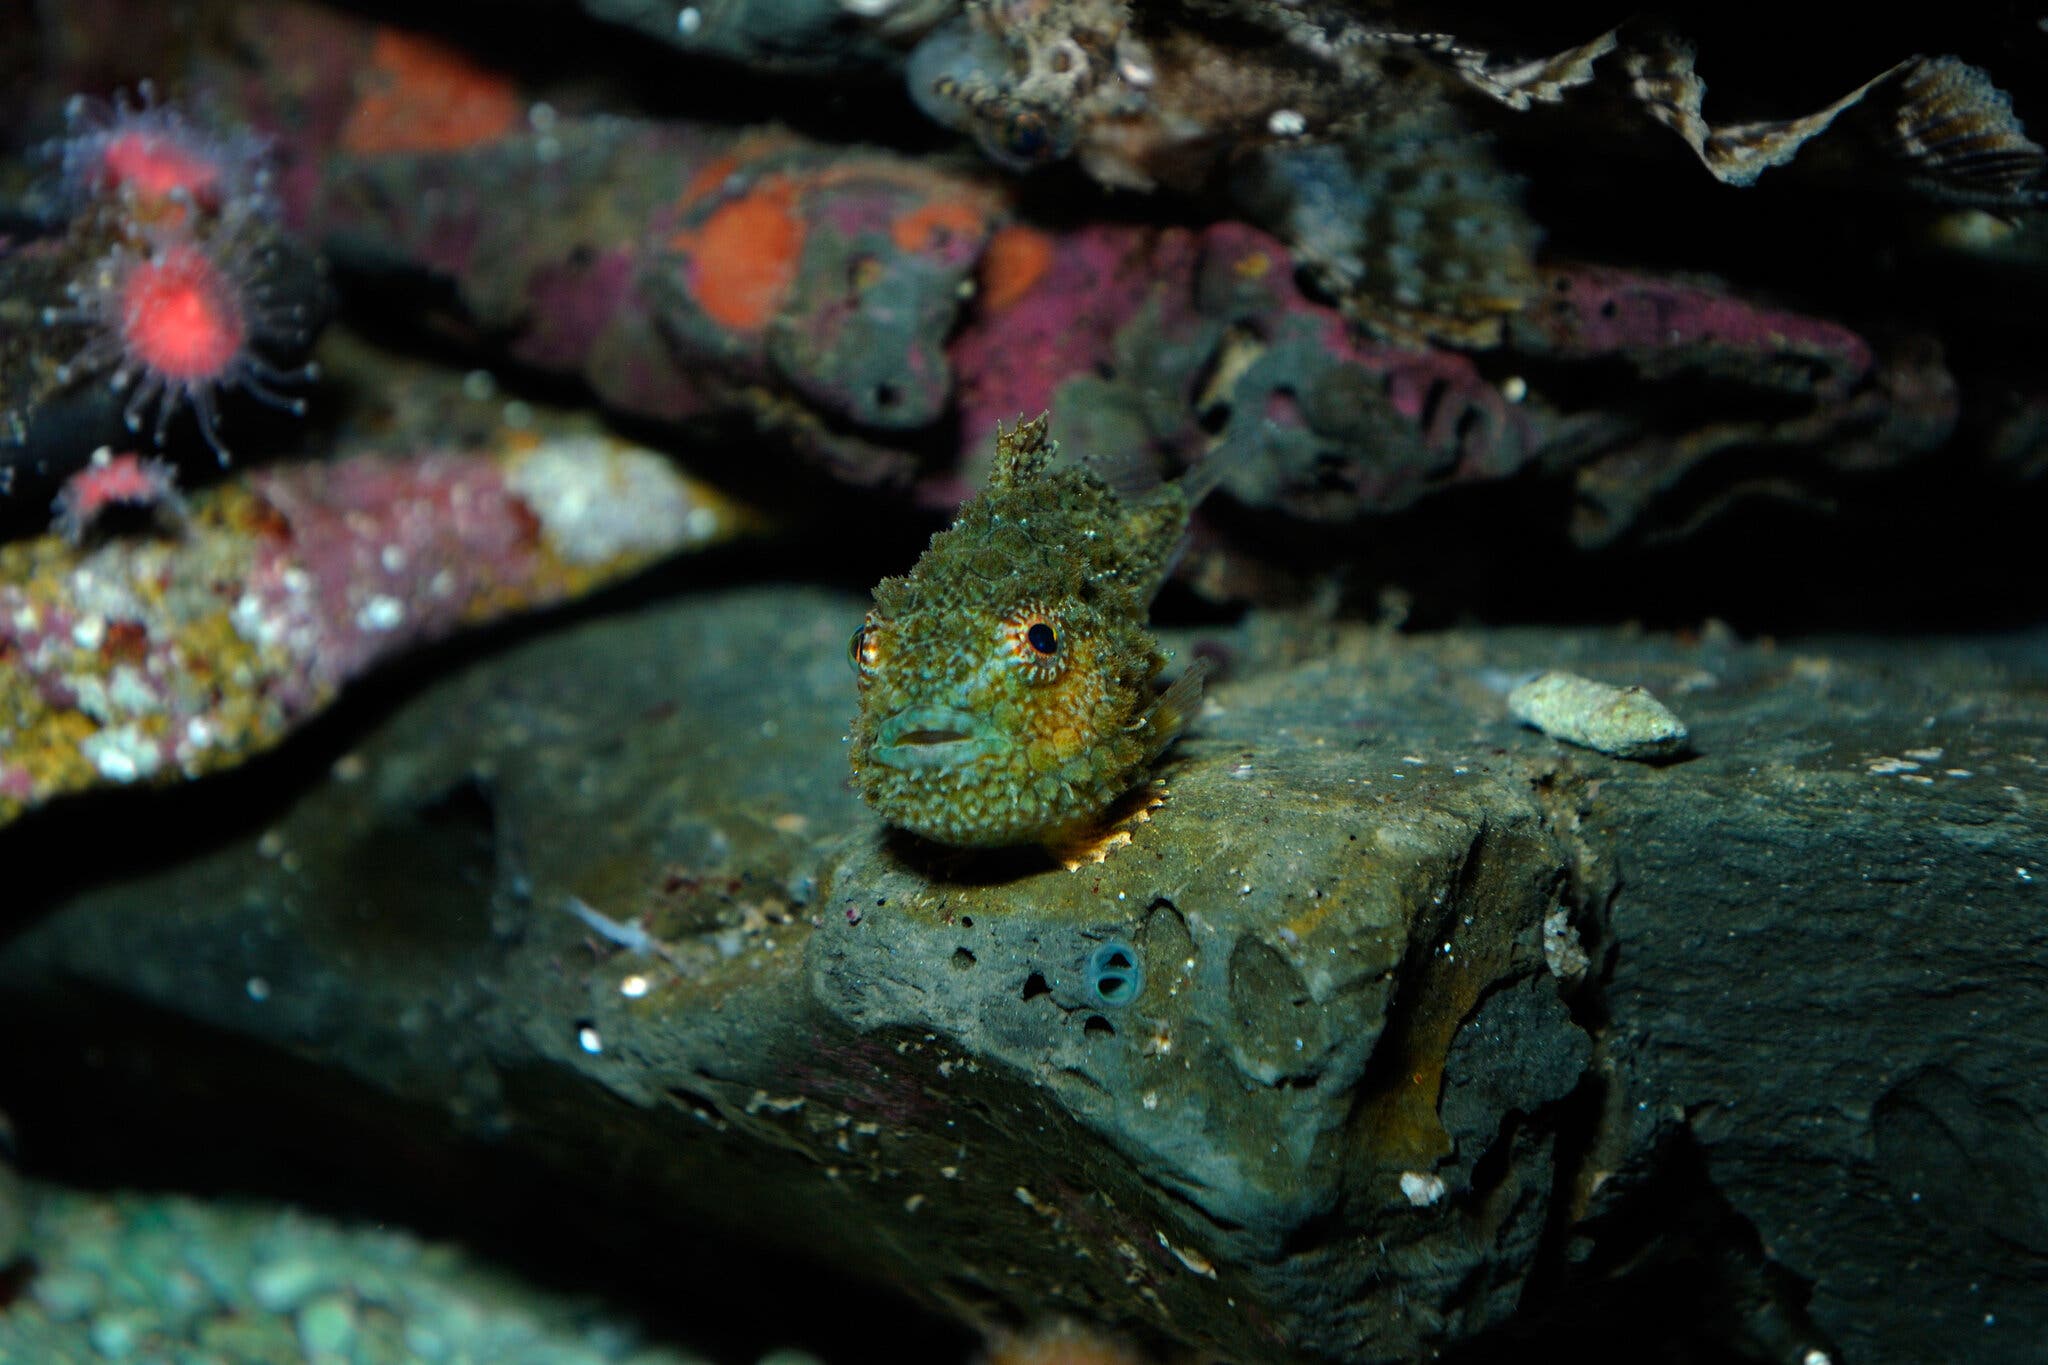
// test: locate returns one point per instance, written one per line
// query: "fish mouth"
(932, 737)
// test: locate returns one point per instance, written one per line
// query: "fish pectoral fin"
(1175, 708)
(1091, 842)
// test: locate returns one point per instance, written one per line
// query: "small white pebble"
(1286, 123)
(589, 1040)
(1422, 1188)
(633, 987)
(688, 20)
(1626, 722)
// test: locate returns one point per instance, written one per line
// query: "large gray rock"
(1317, 1068)
(1831, 928)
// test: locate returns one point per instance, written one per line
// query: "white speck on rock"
(380, 613)
(122, 753)
(252, 623)
(598, 499)
(1561, 947)
(1421, 1188)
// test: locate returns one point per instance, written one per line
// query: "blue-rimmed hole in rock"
(1115, 976)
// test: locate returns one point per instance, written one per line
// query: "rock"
(13, 1217)
(1334, 1109)
(156, 657)
(906, 1053)
(1826, 991)
(1624, 721)
(880, 311)
(781, 35)
(155, 1277)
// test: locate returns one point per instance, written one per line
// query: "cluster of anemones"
(180, 307)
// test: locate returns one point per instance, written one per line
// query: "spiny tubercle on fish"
(1007, 682)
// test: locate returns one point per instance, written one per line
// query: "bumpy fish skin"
(1007, 681)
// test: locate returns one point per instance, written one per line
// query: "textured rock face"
(919, 1058)
(1401, 1031)
(1315, 1069)
(1844, 925)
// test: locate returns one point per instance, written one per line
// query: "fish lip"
(932, 737)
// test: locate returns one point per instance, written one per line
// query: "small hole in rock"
(962, 959)
(1034, 986)
(1114, 973)
(1097, 1024)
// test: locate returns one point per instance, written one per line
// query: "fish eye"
(1027, 137)
(861, 651)
(1033, 637)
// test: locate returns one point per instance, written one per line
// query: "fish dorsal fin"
(1023, 452)
(1127, 468)
(1200, 479)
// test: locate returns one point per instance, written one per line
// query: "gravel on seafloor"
(172, 1280)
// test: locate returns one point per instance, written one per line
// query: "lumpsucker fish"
(1008, 683)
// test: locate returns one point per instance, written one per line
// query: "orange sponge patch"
(934, 224)
(1016, 259)
(746, 256)
(421, 95)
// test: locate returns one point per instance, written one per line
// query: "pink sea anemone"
(155, 161)
(109, 480)
(178, 318)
